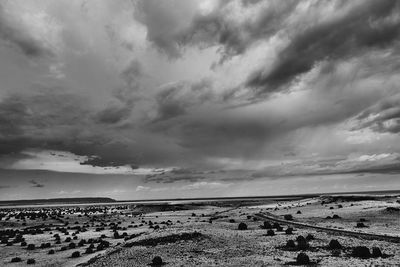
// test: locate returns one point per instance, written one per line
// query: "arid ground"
(261, 232)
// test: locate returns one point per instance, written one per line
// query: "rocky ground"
(208, 234)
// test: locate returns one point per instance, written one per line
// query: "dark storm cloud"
(19, 38)
(364, 27)
(113, 114)
(217, 28)
(35, 183)
(174, 100)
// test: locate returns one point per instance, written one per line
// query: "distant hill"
(78, 200)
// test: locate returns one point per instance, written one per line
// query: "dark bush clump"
(23, 244)
(231, 220)
(270, 232)
(242, 226)
(298, 212)
(334, 244)
(360, 225)
(309, 237)
(376, 252)
(267, 225)
(30, 247)
(288, 217)
(75, 254)
(361, 252)
(16, 259)
(302, 258)
(51, 252)
(289, 231)
(157, 261)
(72, 245)
(30, 261)
(290, 244)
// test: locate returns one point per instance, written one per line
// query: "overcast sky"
(194, 98)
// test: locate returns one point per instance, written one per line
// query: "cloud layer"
(200, 93)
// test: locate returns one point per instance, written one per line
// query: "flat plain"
(334, 230)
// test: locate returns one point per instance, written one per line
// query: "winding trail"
(274, 218)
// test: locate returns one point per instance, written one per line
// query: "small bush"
(30, 247)
(298, 212)
(361, 252)
(289, 231)
(51, 252)
(360, 225)
(75, 254)
(376, 252)
(290, 244)
(23, 244)
(30, 261)
(242, 226)
(302, 258)
(157, 261)
(72, 245)
(267, 225)
(16, 259)
(232, 221)
(288, 217)
(270, 232)
(334, 244)
(89, 250)
(309, 237)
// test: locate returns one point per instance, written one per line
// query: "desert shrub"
(309, 237)
(335, 216)
(288, 217)
(361, 252)
(242, 226)
(334, 244)
(328, 217)
(276, 225)
(63, 248)
(302, 258)
(23, 244)
(267, 225)
(157, 261)
(89, 250)
(231, 220)
(68, 239)
(360, 225)
(72, 245)
(290, 244)
(299, 238)
(30, 247)
(289, 231)
(376, 252)
(16, 259)
(75, 254)
(298, 212)
(270, 232)
(30, 261)
(51, 252)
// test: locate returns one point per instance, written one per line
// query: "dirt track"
(271, 217)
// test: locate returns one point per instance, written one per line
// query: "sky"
(148, 99)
